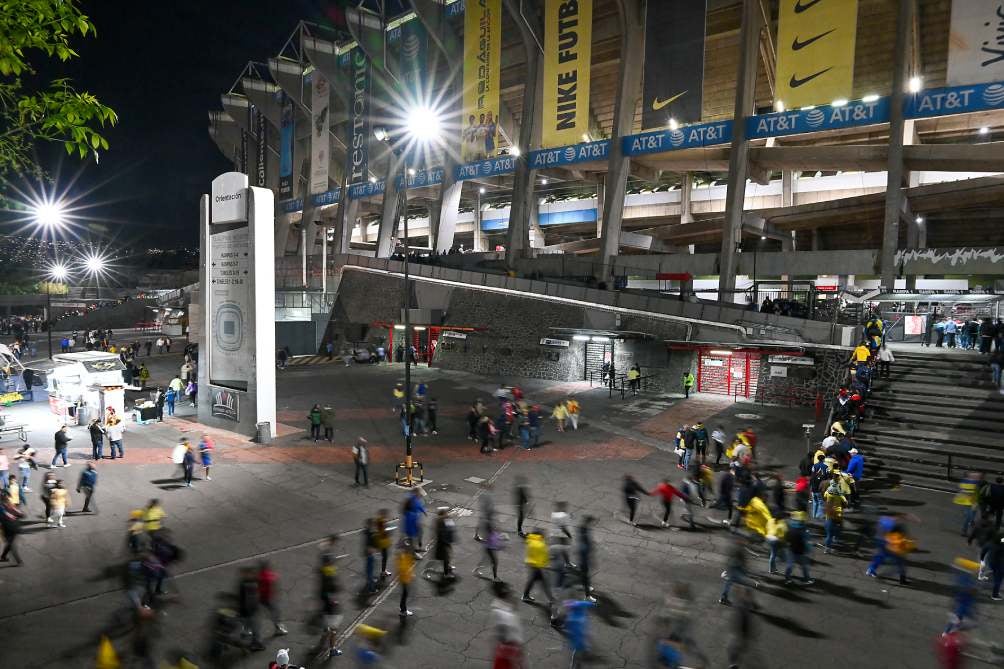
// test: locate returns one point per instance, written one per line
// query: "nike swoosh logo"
(801, 7)
(796, 82)
(658, 104)
(797, 45)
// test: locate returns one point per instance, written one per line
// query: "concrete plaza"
(279, 501)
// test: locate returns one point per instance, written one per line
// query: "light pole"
(420, 128)
(55, 273)
(94, 266)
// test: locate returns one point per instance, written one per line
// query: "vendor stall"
(85, 385)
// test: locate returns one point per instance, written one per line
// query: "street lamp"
(94, 266)
(421, 127)
(48, 214)
(56, 272)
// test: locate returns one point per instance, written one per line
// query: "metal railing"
(620, 383)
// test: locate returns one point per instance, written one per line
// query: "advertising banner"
(914, 325)
(688, 137)
(359, 115)
(482, 78)
(368, 29)
(286, 135)
(815, 51)
(568, 37)
(674, 62)
(226, 404)
(976, 42)
(569, 155)
(826, 117)
(929, 103)
(410, 43)
(261, 155)
(320, 121)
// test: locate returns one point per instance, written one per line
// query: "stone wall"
(803, 383)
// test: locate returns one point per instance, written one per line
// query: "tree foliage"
(47, 112)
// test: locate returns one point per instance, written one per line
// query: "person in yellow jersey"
(537, 560)
(405, 573)
(153, 516)
(572, 406)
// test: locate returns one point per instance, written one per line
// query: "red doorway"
(728, 372)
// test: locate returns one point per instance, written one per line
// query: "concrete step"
(937, 390)
(978, 439)
(883, 408)
(935, 356)
(961, 420)
(937, 376)
(880, 445)
(907, 473)
(992, 401)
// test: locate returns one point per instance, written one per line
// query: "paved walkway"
(277, 502)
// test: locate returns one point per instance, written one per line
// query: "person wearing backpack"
(170, 397)
(893, 545)
(818, 483)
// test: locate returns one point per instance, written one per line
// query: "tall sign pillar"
(237, 299)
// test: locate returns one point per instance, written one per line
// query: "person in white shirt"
(886, 358)
(718, 436)
(114, 430)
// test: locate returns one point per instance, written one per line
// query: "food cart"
(83, 385)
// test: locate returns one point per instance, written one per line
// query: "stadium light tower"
(421, 128)
(48, 214)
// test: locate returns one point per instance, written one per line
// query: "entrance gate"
(728, 373)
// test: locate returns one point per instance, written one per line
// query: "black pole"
(407, 333)
(48, 313)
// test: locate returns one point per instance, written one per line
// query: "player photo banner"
(976, 43)
(482, 77)
(674, 63)
(568, 36)
(286, 149)
(320, 107)
(815, 51)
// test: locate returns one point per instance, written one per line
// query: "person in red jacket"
(667, 491)
(267, 580)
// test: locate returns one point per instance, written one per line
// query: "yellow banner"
(815, 51)
(482, 78)
(568, 37)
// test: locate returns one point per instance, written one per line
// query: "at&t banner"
(674, 62)
(320, 103)
(976, 42)
(482, 75)
(568, 33)
(815, 51)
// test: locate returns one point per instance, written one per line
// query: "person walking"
(170, 397)
(97, 434)
(445, 536)
(995, 500)
(188, 464)
(951, 328)
(361, 458)
(561, 542)
(248, 601)
(267, 595)
(314, 417)
(886, 358)
(521, 497)
(666, 492)
(86, 484)
(508, 630)
(178, 456)
(633, 492)
(206, 454)
(381, 539)
(114, 430)
(148, 345)
(10, 524)
(405, 574)
(834, 503)
(995, 562)
(573, 409)
(61, 442)
(328, 422)
(797, 539)
(413, 510)
(893, 545)
(192, 392)
(159, 401)
(4, 470)
(735, 570)
(25, 459)
(59, 499)
(688, 382)
(537, 560)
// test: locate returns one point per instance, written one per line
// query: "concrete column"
(348, 211)
(536, 234)
(787, 188)
(632, 17)
(686, 189)
(894, 168)
(600, 198)
(815, 240)
(922, 234)
(388, 210)
(479, 235)
(735, 198)
(526, 15)
(449, 212)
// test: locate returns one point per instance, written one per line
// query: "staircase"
(935, 419)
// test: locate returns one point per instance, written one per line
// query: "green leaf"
(69, 147)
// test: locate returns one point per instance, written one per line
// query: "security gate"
(596, 354)
(728, 373)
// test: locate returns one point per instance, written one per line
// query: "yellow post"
(107, 657)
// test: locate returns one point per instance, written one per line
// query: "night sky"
(162, 67)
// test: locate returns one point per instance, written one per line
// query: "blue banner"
(486, 168)
(824, 117)
(318, 199)
(290, 206)
(686, 137)
(569, 155)
(455, 9)
(286, 147)
(366, 189)
(430, 177)
(954, 100)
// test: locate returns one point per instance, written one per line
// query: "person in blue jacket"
(856, 469)
(414, 509)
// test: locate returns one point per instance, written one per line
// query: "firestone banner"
(359, 115)
(815, 51)
(482, 77)
(568, 36)
(976, 42)
(320, 104)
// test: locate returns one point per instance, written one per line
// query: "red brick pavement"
(687, 412)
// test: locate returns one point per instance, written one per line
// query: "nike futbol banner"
(976, 43)
(674, 62)
(320, 124)
(482, 78)
(568, 36)
(815, 51)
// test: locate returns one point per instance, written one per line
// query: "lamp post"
(420, 128)
(55, 273)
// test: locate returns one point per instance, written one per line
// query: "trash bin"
(264, 433)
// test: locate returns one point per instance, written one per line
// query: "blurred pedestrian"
(206, 454)
(10, 523)
(405, 573)
(537, 560)
(508, 630)
(267, 595)
(188, 464)
(331, 616)
(58, 501)
(88, 481)
(248, 601)
(633, 492)
(585, 551)
(445, 536)
(521, 497)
